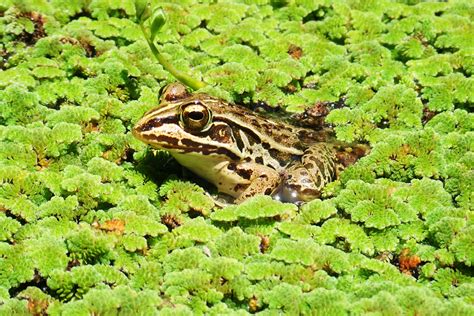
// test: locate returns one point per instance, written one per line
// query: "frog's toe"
(296, 194)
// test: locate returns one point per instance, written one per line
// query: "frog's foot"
(220, 200)
(305, 180)
(262, 180)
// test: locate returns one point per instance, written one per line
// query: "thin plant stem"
(182, 77)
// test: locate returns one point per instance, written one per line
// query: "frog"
(242, 152)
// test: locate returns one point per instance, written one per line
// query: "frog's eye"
(195, 117)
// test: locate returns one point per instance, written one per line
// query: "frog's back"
(264, 129)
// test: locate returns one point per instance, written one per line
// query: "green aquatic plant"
(157, 19)
(94, 222)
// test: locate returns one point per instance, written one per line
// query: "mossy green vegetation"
(94, 222)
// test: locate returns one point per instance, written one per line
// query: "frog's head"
(187, 124)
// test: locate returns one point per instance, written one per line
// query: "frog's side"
(239, 151)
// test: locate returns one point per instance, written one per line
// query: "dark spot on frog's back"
(321, 165)
(245, 173)
(318, 180)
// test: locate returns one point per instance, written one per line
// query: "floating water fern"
(94, 222)
(156, 20)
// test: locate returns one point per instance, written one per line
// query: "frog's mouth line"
(150, 124)
(187, 146)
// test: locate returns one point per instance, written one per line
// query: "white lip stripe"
(175, 132)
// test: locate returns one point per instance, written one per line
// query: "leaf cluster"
(94, 222)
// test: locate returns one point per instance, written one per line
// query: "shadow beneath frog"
(159, 166)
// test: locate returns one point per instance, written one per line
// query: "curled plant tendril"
(157, 19)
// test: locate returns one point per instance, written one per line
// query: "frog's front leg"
(305, 179)
(260, 179)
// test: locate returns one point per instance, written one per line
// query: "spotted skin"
(262, 180)
(242, 152)
(305, 179)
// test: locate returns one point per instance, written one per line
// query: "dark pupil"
(196, 116)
